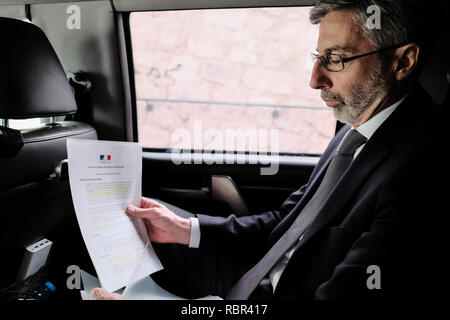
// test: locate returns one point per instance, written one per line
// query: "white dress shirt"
(367, 129)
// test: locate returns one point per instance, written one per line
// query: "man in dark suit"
(364, 226)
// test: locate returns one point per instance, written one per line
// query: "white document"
(105, 177)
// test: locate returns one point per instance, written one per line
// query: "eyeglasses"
(335, 63)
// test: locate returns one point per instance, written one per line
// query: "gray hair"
(402, 21)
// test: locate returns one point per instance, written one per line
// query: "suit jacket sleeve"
(241, 234)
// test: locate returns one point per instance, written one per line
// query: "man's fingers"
(149, 203)
(102, 294)
(139, 212)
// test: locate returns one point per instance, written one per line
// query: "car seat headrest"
(32, 82)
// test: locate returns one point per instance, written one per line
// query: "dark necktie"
(340, 162)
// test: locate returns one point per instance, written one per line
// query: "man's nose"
(319, 78)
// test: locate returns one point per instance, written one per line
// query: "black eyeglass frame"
(345, 60)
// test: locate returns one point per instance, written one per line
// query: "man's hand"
(162, 225)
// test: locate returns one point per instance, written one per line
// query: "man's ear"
(406, 60)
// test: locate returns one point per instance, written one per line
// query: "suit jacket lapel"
(349, 184)
(313, 183)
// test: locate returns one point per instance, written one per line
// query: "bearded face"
(351, 107)
(356, 91)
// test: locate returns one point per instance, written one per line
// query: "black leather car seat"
(34, 201)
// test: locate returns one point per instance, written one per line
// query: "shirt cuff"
(194, 240)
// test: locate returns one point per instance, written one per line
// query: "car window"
(228, 79)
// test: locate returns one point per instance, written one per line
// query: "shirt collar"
(368, 128)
